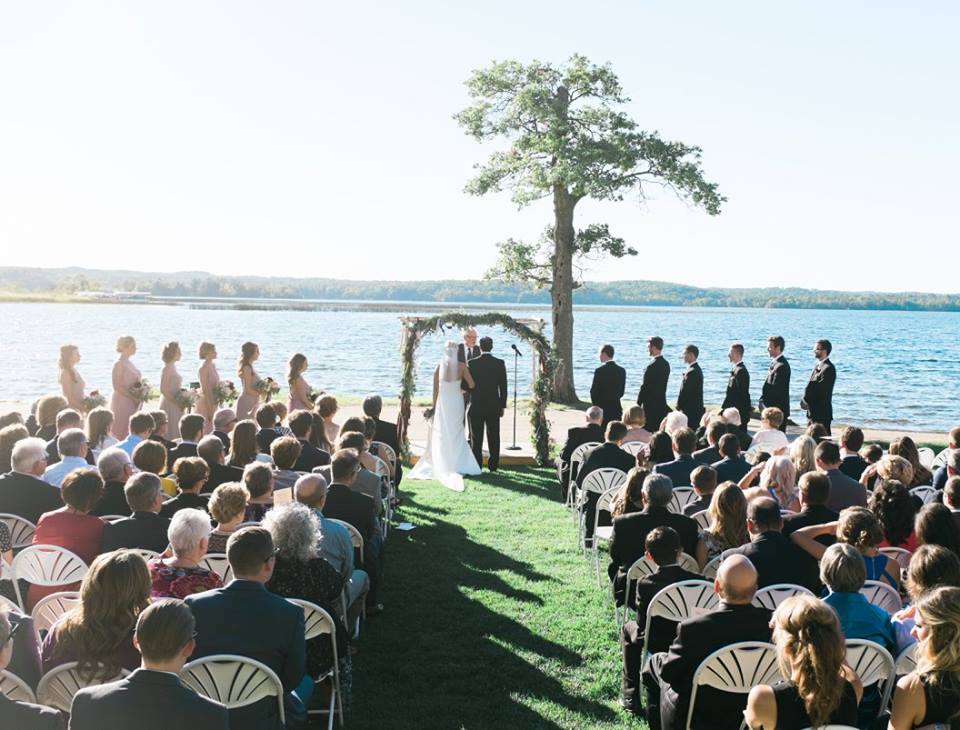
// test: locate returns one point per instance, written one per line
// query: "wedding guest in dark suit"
(153, 695)
(145, 528)
(22, 491)
(386, 432)
(714, 431)
(818, 395)
(682, 466)
(844, 491)
(663, 548)
(21, 715)
(732, 467)
(590, 432)
(690, 398)
(738, 386)
(814, 492)
(191, 429)
(223, 422)
(607, 455)
(210, 449)
(301, 424)
(703, 479)
(609, 382)
(191, 473)
(160, 427)
(487, 402)
(653, 389)
(266, 419)
(668, 676)
(776, 388)
(851, 463)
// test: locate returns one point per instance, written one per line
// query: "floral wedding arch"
(415, 328)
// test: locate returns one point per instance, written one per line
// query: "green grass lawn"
(493, 619)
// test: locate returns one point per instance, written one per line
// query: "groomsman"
(776, 388)
(738, 386)
(690, 398)
(609, 382)
(653, 389)
(818, 395)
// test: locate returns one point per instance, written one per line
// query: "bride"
(447, 456)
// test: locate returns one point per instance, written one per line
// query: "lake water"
(898, 370)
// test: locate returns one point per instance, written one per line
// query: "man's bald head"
(311, 490)
(736, 580)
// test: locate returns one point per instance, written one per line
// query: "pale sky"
(316, 138)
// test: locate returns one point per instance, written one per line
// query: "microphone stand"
(516, 359)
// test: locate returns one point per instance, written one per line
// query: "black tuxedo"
(690, 397)
(653, 392)
(818, 395)
(776, 388)
(576, 436)
(184, 500)
(310, 457)
(778, 560)
(345, 504)
(606, 456)
(487, 402)
(738, 393)
(220, 474)
(609, 382)
(26, 496)
(28, 716)
(113, 501)
(180, 451)
(146, 530)
(146, 700)
(853, 465)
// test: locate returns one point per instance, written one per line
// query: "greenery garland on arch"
(414, 329)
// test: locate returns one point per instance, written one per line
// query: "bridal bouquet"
(185, 399)
(428, 413)
(267, 387)
(225, 392)
(140, 391)
(93, 400)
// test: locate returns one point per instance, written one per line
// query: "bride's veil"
(449, 364)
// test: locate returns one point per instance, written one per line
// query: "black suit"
(606, 391)
(678, 470)
(27, 496)
(853, 465)
(778, 560)
(738, 393)
(265, 437)
(709, 455)
(145, 530)
(487, 402)
(576, 436)
(180, 451)
(731, 470)
(605, 456)
(310, 457)
(224, 439)
(465, 355)
(653, 392)
(811, 514)
(818, 395)
(387, 433)
(690, 398)
(27, 716)
(184, 500)
(220, 474)
(345, 504)
(112, 501)
(146, 700)
(776, 389)
(698, 505)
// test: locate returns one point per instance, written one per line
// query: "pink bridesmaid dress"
(207, 402)
(72, 385)
(171, 382)
(125, 374)
(249, 399)
(297, 400)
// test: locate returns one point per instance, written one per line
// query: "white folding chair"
(682, 496)
(218, 563)
(58, 686)
(317, 623)
(772, 596)
(14, 688)
(678, 602)
(899, 554)
(788, 513)
(355, 537)
(21, 530)
(6, 603)
(113, 518)
(874, 665)
(924, 493)
(634, 447)
(641, 569)
(883, 595)
(940, 459)
(576, 459)
(233, 681)
(710, 569)
(385, 451)
(50, 608)
(926, 456)
(907, 660)
(46, 565)
(736, 668)
(599, 481)
(702, 518)
(602, 534)
(147, 555)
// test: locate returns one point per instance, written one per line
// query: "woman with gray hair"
(181, 575)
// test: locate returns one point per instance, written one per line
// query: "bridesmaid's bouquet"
(185, 399)
(93, 400)
(225, 392)
(140, 391)
(266, 387)
(313, 394)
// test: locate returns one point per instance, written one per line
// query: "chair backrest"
(58, 686)
(356, 538)
(147, 555)
(710, 569)
(940, 459)
(874, 665)
(14, 688)
(380, 467)
(682, 496)
(317, 621)
(218, 563)
(601, 480)
(907, 660)
(604, 504)
(634, 447)
(46, 565)
(233, 681)
(679, 601)
(21, 530)
(8, 604)
(385, 451)
(113, 518)
(772, 596)
(883, 595)
(644, 567)
(580, 453)
(49, 609)
(899, 554)
(924, 493)
(926, 456)
(736, 668)
(702, 518)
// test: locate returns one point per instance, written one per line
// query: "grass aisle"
(493, 619)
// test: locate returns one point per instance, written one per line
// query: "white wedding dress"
(447, 457)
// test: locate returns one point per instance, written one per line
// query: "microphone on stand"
(516, 354)
(514, 348)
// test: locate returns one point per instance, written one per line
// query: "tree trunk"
(561, 295)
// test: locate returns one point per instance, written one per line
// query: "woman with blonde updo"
(778, 479)
(125, 375)
(209, 380)
(802, 455)
(70, 380)
(299, 398)
(249, 396)
(99, 424)
(889, 467)
(821, 688)
(170, 384)
(906, 448)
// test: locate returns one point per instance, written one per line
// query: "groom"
(487, 402)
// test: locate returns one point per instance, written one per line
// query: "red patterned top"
(167, 581)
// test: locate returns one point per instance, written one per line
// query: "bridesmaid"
(125, 374)
(299, 398)
(171, 382)
(70, 380)
(249, 397)
(209, 379)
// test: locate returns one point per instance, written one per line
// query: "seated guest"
(887, 467)
(301, 423)
(635, 420)
(22, 490)
(930, 694)
(906, 448)
(607, 455)
(191, 430)
(72, 445)
(9, 436)
(891, 502)
(590, 432)
(21, 715)
(935, 526)
(365, 481)
(630, 497)
(145, 529)
(142, 427)
(182, 575)
(683, 464)
(728, 521)
(778, 480)
(327, 407)
(628, 541)
(281, 410)
(266, 418)
(951, 498)
(668, 676)
(714, 431)
(72, 526)
(284, 452)
(871, 453)
(814, 491)
(99, 425)
(952, 467)
(191, 474)
(227, 505)
(25, 659)
(161, 424)
(931, 566)
(803, 454)
(223, 422)
(731, 467)
(736, 427)
(386, 432)
(663, 548)
(821, 688)
(97, 633)
(673, 422)
(770, 438)
(66, 419)
(258, 480)
(210, 449)
(775, 558)
(818, 432)
(243, 445)
(244, 618)
(165, 639)
(844, 491)
(703, 479)
(152, 456)
(115, 469)
(359, 425)
(851, 463)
